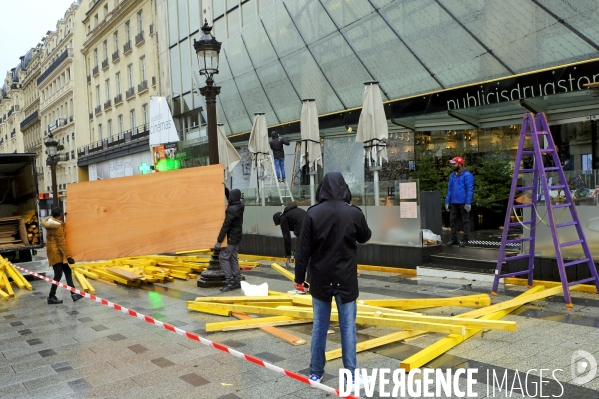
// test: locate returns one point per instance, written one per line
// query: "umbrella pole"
(376, 187)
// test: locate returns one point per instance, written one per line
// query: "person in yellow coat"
(58, 253)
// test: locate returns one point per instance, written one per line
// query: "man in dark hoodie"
(232, 229)
(328, 241)
(291, 219)
(276, 145)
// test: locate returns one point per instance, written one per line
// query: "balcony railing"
(118, 100)
(12, 109)
(105, 64)
(29, 120)
(61, 58)
(141, 131)
(143, 86)
(13, 134)
(96, 70)
(130, 93)
(116, 56)
(98, 110)
(139, 38)
(127, 47)
(107, 105)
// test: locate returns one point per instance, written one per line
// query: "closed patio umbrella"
(227, 154)
(310, 138)
(373, 131)
(259, 147)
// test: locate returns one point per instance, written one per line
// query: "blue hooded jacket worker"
(328, 245)
(459, 199)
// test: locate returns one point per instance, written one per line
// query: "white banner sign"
(162, 126)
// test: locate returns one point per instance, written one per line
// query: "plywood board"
(145, 214)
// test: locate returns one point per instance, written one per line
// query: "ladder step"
(586, 280)
(518, 240)
(514, 274)
(520, 224)
(523, 206)
(559, 187)
(566, 224)
(553, 168)
(541, 133)
(525, 256)
(526, 171)
(567, 204)
(526, 188)
(570, 243)
(576, 262)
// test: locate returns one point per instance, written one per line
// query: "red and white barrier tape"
(193, 336)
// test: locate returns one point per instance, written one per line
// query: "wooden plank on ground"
(423, 303)
(377, 342)
(254, 322)
(130, 276)
(549, 284)
(275, 332)
(7, 285)
(386, 269)
(442, 346)
(283, 271)
(145, 214)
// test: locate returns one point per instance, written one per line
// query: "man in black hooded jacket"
(328, 241)
(291, 219)
(232, 229)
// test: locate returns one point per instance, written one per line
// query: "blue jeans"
(280, 167)
(347, 325)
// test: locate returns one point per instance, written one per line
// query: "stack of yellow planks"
(9, 272)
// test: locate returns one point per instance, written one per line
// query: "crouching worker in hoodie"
(58, 253)
(291, 219)
(232, 229)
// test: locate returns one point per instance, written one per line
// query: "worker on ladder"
(276, 145)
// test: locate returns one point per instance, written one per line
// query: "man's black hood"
(289, 207)
(235, 195)
(334, 188)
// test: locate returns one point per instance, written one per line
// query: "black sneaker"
(231, 287)
(52, 300)
(76, 297)
(463, 243)
(451, 242)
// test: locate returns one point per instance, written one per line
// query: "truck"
(20, 220)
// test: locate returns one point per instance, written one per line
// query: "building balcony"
(116, 56)
(107, 105)
(131, 141)
(140, 38)
(118, 100)
(13, 134)
(98, 110)
(10, 112)
(57, 62)
(143, 86)
(30, 120)
(127, 48)
(96, 71)
(130, 93)
(105, 64)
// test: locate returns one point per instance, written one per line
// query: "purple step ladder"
(536, 128)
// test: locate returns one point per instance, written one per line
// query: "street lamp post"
(208, 50)
(52, 146)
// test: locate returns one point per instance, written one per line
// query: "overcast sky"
(24, 24)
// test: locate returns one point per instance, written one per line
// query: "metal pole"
(54, 185)
(210, 92)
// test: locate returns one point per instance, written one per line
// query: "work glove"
(71, 261)
(467, 208)
(217, 245)
(447, 207)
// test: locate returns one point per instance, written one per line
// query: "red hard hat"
(459, 160)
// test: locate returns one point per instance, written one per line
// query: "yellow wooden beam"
(423, 303)
(549, 284)
(376, 342)
(82, 281)
(87, 273)
(19, 276)
(283, 271)
(306, 300)
(275, 332)
(7, 285)
(15, 277)
(387, 269)
(233, 299)
(255, 322)
(304, 313)
(4, 295)
(440, 347)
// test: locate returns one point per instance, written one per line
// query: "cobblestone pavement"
(86, 350)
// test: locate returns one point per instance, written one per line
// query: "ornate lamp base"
(213, 276)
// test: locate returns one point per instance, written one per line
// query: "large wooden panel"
(146, 214)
